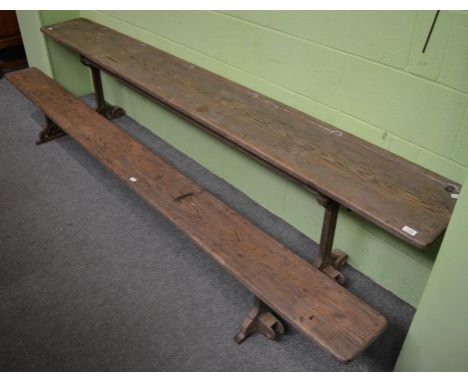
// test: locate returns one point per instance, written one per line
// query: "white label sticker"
(454, 196)
(132, 179)
(409, 230)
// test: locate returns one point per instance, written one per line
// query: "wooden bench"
(403, 198)
(311, 301)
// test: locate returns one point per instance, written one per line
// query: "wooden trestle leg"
(49, 132)
(102, 107)
(260, 319)
(328, 261)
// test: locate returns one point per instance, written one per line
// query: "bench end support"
(330, 261)
(49, 132)
(260, 319)
(110, 111)
(102, 107)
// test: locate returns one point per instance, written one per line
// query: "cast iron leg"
(259, 319)
(102, 107)
(49, 132)
(329, 261)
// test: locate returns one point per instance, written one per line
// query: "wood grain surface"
(319, 307)
(383, 188)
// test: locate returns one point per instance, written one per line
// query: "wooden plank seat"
(315, 304)
(403, 198)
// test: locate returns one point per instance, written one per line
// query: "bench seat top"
(382, 187)
(319, 307)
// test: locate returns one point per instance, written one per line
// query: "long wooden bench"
(311, 301)
(408, 201)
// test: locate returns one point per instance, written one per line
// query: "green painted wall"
(66, 68)
(49, 56)
(361, 71)
(34, 43)
(438, 337)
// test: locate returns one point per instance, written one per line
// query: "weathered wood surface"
(384, 188)
(316, 305)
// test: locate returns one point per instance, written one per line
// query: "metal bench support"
(102, 107)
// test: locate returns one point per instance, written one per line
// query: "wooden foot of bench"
(102, 107)
(49, 132)
(110, 111)
(335, 261)
(260, 319)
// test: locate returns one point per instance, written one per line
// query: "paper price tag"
(409, 230)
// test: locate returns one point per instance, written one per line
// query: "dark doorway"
(12, 54)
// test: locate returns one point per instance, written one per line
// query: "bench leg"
(102, 107)
(328, 261)
(259, 319)
(49, 132)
